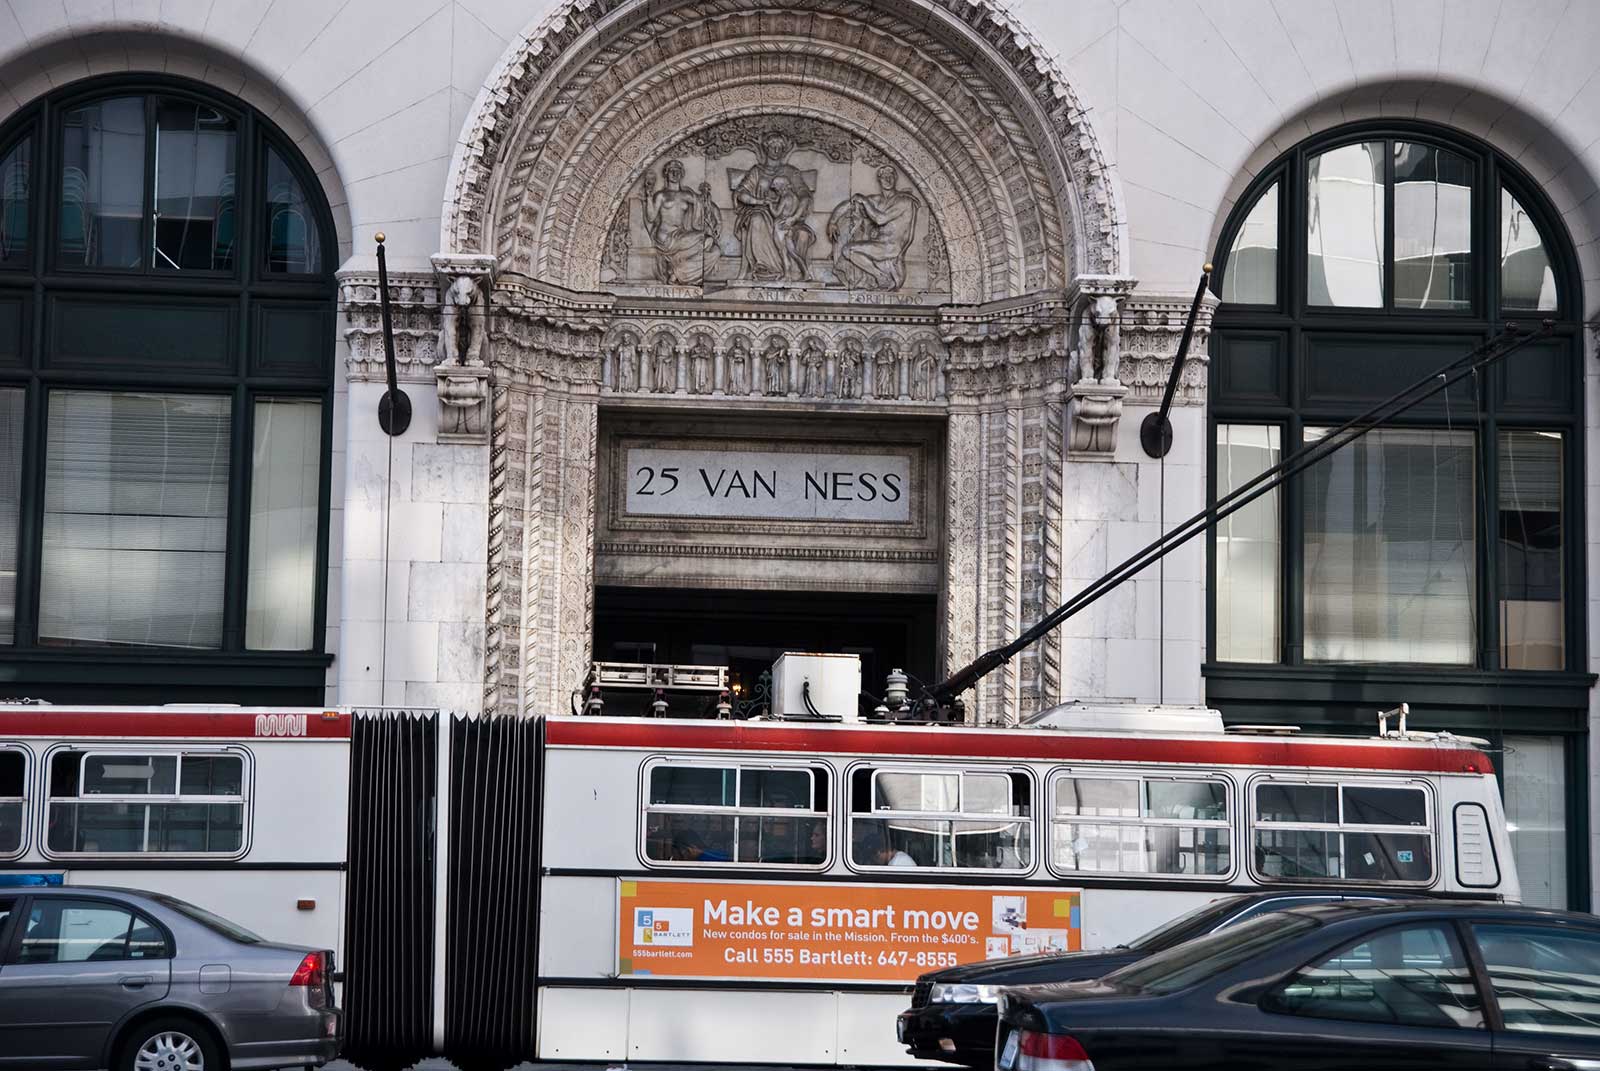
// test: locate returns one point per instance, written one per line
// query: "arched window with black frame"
(1439, 559)
(166, 359)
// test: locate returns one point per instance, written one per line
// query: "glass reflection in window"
(1248, 548)
(1345, 226)
(1390, 569)
(285, 491)
(15, 168)
(1536, 816)
(292, 243)
(1251, 272)
(196, 215)
(100, 217)
(1532, 633)
(1527, 281)
(1432, 228)
(135, 519)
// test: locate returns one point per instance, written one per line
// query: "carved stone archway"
(895, 209)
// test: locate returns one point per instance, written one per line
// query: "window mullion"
(1388, 225)
(234, 579)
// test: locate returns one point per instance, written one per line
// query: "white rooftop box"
(1127, 717)
(833, 680)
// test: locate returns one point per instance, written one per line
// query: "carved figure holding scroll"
(1099, 341)
(775, 363)
(460, 339)
(700, 357)
(886, 370)
(870, 235)
(666, 366)
(682, 226)
(813, 369)
(773, 199)
(738, 366)
(850, 361)
(924, 373)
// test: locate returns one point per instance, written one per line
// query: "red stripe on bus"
(1002, 744)
(167, 724)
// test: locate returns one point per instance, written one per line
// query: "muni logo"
(280, 725)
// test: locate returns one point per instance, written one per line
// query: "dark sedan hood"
(1032, 970)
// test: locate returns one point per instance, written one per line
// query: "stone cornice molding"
(1152, 325)
(414, 310)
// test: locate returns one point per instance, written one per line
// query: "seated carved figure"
(870, 235)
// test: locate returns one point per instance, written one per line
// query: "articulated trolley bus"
(604, 889)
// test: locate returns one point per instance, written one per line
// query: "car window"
(1194, 961)
(59, 930)
(1546, 979)
(215, 923)
(1408, 976)
(1280, 904)
(1200, 920)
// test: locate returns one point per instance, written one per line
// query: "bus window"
(1343, 832)
(699, 814)
(13, 799)
(946, 819)
(1140, 825)
(103, 803)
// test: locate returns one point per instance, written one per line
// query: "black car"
(952, 1013)
(1414, 984)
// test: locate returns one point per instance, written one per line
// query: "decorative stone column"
(1006, 449)
(539, 611)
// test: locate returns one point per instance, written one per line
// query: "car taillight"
(1050, 1052)
(312, 974)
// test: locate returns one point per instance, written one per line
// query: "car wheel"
(169, 1045)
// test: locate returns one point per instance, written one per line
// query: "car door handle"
(1549, 1063)
(135, 981)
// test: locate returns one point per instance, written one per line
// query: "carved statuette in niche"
(886, 370)
(870, 235)
(683, 226)
(700, 357)
(773, 200)
(665, 361)
(924, 373)
(813, 369)
(461, 322)
(627, 363)
(850, 362)
(738, 366)
(1099, 341)
(775, 365)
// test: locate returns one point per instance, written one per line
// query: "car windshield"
(1202, 919)
(1194, 961)
(211, 922)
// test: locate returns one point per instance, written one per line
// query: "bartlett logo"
(670, 926)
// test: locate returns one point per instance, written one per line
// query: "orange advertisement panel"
(776, 931)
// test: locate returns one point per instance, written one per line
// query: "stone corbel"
(463, 403)
(1096, 391)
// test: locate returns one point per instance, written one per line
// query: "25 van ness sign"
(816, 932)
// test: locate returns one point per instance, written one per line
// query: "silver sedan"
(139, 981)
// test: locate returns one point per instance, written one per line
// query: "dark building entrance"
(747, 631)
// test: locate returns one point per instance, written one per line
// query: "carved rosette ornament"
(1095, 386)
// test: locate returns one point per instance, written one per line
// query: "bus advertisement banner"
(777, 931)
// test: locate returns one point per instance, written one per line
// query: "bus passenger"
(872, 849)
(689, 845)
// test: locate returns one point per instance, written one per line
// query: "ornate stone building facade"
(733, 326)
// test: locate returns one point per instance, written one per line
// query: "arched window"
(166, 347)
(1439, 559)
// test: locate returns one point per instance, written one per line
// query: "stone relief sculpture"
(1099, 341)
(886, 370)
(700, 360)
(665, 361)
(813, 369)
(627, 363)
(775, 365)
(684, 226)
(773, 199)
(924, 373)
(738, 359)
(849, 371)
(870, 235)
(461, 322)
